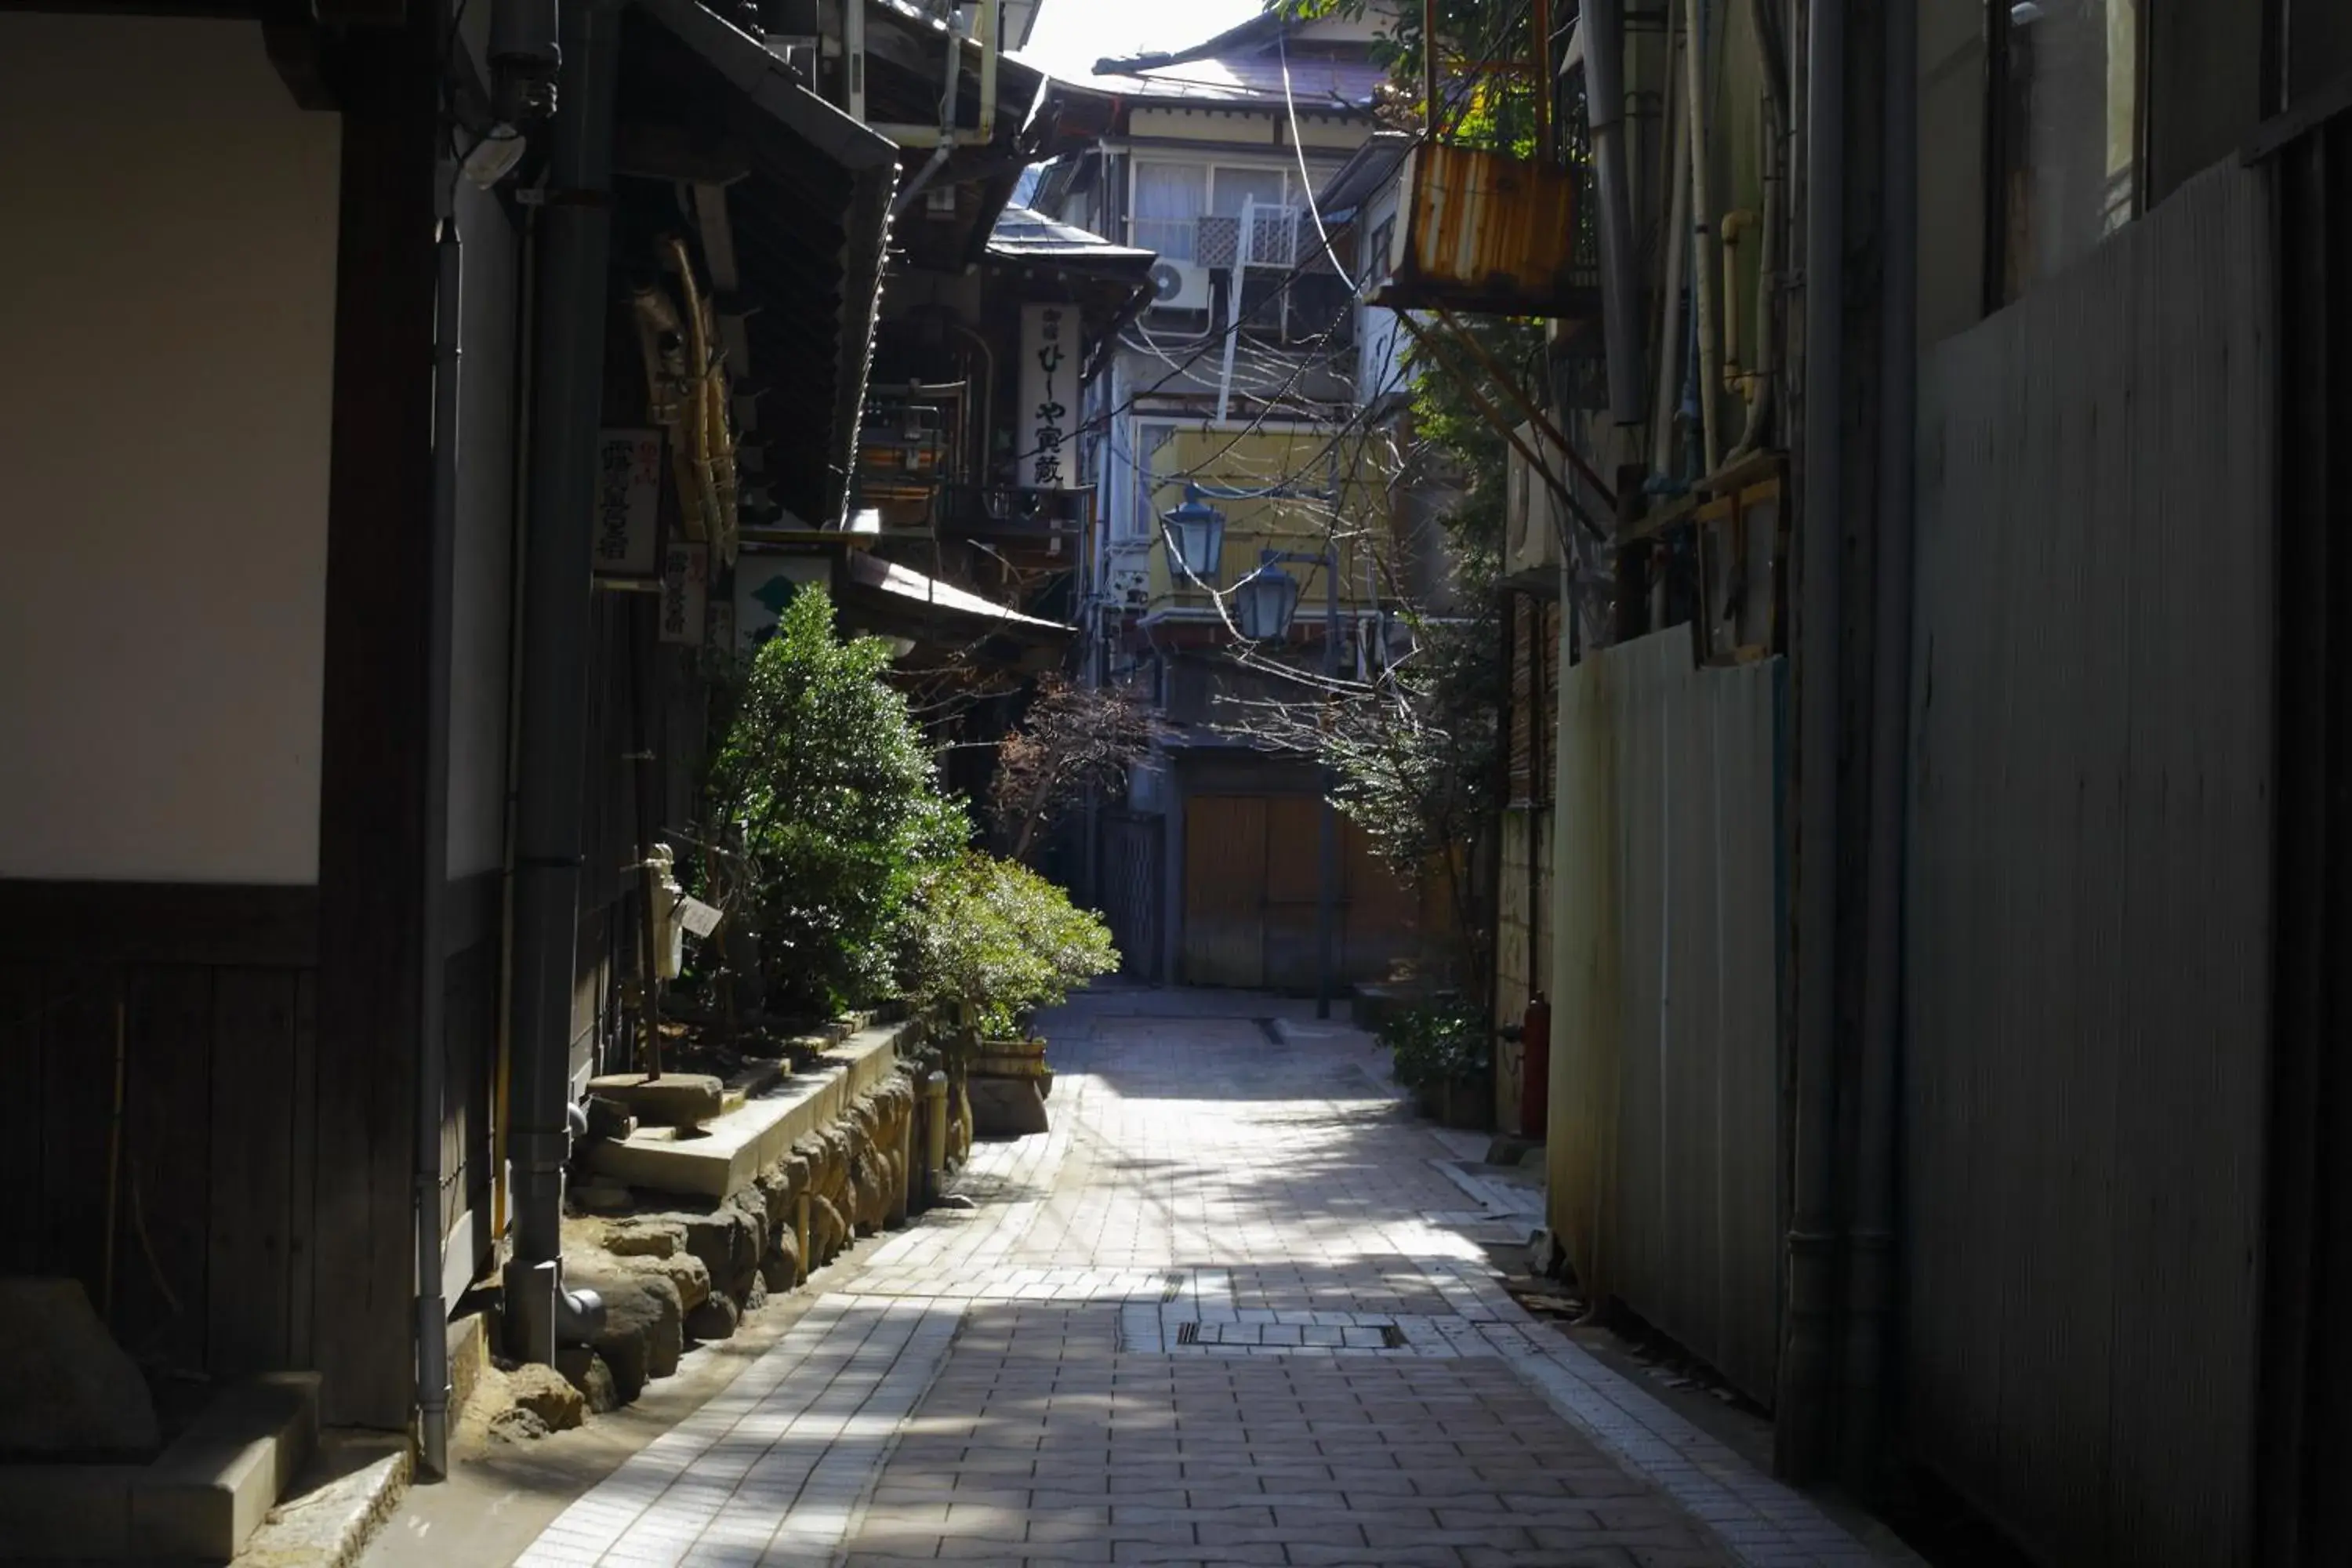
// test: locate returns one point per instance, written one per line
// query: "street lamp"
(1196, 531)
(1264, 603)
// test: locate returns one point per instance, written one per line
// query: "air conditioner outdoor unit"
(1536, 521)
(1180, 284)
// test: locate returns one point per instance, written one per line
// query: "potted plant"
(1441, 1051)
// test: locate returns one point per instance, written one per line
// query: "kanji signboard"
(1049, 396)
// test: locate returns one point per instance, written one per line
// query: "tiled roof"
(1026, 231)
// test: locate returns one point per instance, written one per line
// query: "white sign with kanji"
(628, 501)
(1049, 398)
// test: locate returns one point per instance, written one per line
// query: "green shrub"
(1437, 1043)
(995, 936)
(839, 810)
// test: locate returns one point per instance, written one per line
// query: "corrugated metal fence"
(2088, 913)
(1666, 1111)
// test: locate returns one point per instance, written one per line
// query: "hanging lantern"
(1196, 531)
(1263, 602)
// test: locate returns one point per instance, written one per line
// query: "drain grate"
(1392, 1337)
(1174, 1287)
(1188, 1334)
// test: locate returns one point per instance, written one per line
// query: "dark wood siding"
(204, 1264)
(2088, 909)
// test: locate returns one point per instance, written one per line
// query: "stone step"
(200, 1500)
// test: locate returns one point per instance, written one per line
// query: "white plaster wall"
(167, 293)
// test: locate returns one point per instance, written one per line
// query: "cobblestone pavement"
(1230, 1309)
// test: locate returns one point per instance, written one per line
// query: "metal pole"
(1328, 891)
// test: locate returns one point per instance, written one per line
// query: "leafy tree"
(835, 798)
(1482, 107)
(1071, 736)
(995, 936)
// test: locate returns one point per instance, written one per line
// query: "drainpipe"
(946, 149)
(1670, 301)
(1801, 1435)
(431, 1308)
(1702, 211)
(1604, 82)
(568, 379)
(1871, 1242)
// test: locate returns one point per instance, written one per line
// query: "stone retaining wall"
(807, 1171)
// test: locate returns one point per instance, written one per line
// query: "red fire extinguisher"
(1535, 1066)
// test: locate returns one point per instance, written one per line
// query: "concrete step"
(335, 1506)
(199, 1502)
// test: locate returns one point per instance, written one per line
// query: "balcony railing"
(1278, 237)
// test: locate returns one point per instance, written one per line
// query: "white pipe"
(1233, 303)
(1702, 207)
(946, 131)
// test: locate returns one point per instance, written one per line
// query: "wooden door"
(1293, 888)
(1224, 890)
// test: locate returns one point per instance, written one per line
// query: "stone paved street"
(1230, 1309)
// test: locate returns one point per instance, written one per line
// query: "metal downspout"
(1704, 265)
(1767, 377)
(1801, 1436)
(569, 348)
(1604, 82)
(1664, 393)
(1870, 1245)
(432, 1065)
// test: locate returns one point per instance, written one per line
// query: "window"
(1143, 522)
(2065, 135)
(1234, 187)
(1169, 200)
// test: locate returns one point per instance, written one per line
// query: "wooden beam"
(158, 923)
(383, 723)
(671, 152)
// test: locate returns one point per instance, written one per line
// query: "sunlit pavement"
(1230, 1309)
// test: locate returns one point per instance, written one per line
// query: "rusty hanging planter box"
(1485, 232)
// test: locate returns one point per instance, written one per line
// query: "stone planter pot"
(1461, 1102)
(1016, 1060)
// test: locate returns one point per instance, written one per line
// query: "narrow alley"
(1232, 1308)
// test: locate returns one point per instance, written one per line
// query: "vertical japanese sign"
(628, 501)
(1049, 396)
(685, 591)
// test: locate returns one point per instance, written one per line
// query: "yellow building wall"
(1350, 506)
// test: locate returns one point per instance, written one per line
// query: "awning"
(792, 200)
(955, 606)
